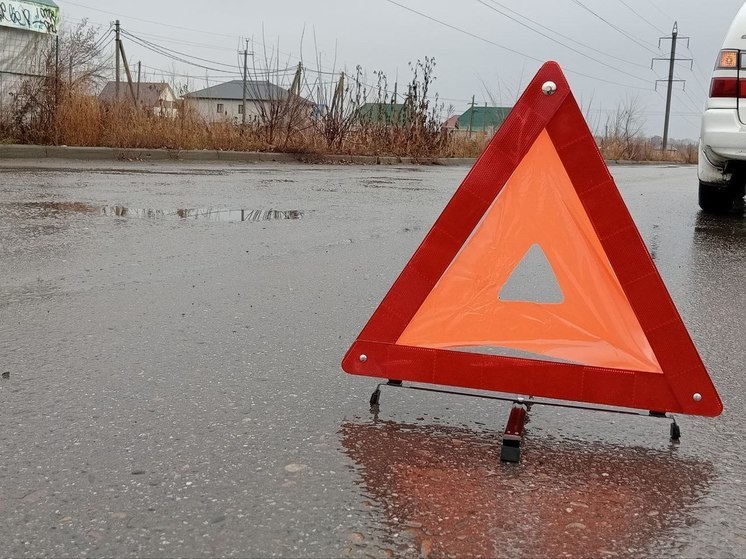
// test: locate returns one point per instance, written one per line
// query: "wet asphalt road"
(175, 387)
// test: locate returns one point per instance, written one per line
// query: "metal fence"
(24, 55)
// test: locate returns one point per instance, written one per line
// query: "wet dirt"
(174, 385)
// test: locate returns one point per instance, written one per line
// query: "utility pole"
(338, 99)
(295, 88)
(57, 71)
(56, 88)
(672, 63)
(127, 71)
(471, 114)
(245, 78)
(139, 70)
(117, 48)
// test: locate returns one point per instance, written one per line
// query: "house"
(382, 113)
(484, 120)
(155, 97)
(224, 102)
(451, 123)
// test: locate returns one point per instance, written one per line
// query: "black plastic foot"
(395, 383)
(510, 452)
(513, 436)
(375, 398)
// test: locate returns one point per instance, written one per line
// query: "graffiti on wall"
(29, 16)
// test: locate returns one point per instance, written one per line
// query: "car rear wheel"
(717, 200)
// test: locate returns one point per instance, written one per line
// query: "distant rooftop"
(233, 91)
(382, 113)
(150, 92)
(483, 118)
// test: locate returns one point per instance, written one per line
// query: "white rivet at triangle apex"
(697, 397)
(549, 88)
(363, 358)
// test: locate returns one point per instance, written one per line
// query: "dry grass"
(642, 149)
(81, 120)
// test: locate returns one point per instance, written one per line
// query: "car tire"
(716, 200)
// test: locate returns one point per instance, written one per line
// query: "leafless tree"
(74, 63)
(280, 112)
(336, 119)
(624, 127)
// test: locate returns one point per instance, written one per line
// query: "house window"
(240, 109)
(221, 108)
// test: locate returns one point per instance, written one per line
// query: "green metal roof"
(382, 113)
(484, 119)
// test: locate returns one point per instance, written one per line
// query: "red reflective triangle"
(618, 335)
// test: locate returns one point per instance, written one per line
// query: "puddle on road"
(223, 215)
(49, 209)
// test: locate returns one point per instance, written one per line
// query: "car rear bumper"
(723, 135)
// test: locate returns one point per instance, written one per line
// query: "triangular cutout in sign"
(533, 280)
(615, 338)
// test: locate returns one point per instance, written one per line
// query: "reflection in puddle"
(731, 227)
(59, 209)
(447, 489)
(205, 214)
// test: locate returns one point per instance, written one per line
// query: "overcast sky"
(606, 61)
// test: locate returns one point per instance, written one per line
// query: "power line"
(149, 20)
(514, 51)
(100, 41)
(175, 52)
(561, 43)
(182, 42)
(171, 73)
(652, 3)
(643, 18)
(694, 103)
(188, 59)
(629, 36)
(698, 76)
(152, 22)
(568, 38)
(97, 50)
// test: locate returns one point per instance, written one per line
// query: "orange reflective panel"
(592, 323)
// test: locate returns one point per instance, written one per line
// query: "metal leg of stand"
(675, 430)
(375, 398)
(513, 436)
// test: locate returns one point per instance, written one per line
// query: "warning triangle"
(612, 337)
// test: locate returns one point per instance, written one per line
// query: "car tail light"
(728, 87)
(727, 60)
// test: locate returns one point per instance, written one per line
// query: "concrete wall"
(167, 105)
(208, 109)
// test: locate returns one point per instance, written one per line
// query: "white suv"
(722, 144)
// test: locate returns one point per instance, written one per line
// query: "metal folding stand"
(515, 430)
